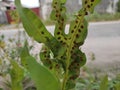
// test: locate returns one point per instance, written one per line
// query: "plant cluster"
(12, 74)
(10, 64)
(61, 56)
(90, 81)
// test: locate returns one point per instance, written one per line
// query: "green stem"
(67, 70)
(65, 80)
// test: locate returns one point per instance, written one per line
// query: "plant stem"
(65, 80)
(67, 70)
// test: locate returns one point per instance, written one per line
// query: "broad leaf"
(33, 25)
(42, 77)
(36, 29)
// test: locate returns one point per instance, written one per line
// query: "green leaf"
(42, 77)
(24, 53)
(63, 1)
(1, 88)
(89, 5)
(59, 15)
(52, 15)
(117, 86)
(36, 29)
(45, 57)
(17, 75)
(104, 83)
(33, 25)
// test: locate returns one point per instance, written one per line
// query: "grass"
(103, 17)
(96, 17)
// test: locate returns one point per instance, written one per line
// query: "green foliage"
(118, 6)
(90, 81)
(17, 75)
(9, 67)
(61, 53)
(46, 81)
(12, 74)
(117, 86)
(95, 17)
(42, 77)
(104, 83)
(103, 17)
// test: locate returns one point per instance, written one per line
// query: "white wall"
(30, 3)
(112, 6)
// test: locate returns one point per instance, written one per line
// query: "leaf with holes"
(36, 29)
(43, 78)
(62, 54)
(89, 5)
(59, 13)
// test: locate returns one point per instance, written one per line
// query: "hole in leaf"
(42, 32)
(72, 31)
(75, 26)
(54, 6)
(88, 6)
(85, 2)
(57, 11)
(77, 35)
(60, 28)
(61, 41)
(86, 13)
(79, 30)
(82, 26)
(55, 2)
(62, 19)
(76, 21)
(92, 0)
(56, 15)
(58, 33)
(59, 38)
(61, 9)
(65, 38)
(50, 67)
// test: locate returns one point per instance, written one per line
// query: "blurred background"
(102, 46)
(106, 10)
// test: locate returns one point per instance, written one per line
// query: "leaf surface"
(33, 25)
(42, 77)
